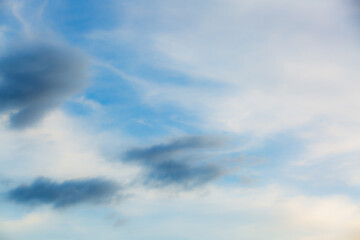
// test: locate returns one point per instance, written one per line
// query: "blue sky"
(180, 120)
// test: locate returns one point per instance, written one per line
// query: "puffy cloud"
(65, 194)
(35, 78)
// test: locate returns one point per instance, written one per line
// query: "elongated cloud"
(188, 175)
(65, 194)
(170, 149)
(36, 78)
(176, 162)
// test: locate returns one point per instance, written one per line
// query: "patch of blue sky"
(76, 21)
(6, 16)
(10, 25)
(108, 88)
(153, 73)
(141, 62)
(264, 163)
(123, 107)
(142, 121)
(75, 18)
(278, 148)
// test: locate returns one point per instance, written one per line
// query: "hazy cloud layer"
(36, 78)
(65, 194)
(177, 162)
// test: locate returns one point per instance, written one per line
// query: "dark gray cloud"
(177, 162)
(174, 147)
(36, 78)
(65, 194)
(187, 175)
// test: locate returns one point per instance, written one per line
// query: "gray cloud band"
(36, 78)
(65, 194)
(175, 162)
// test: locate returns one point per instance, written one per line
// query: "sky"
(179, 120)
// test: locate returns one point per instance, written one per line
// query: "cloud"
(65, 194)
(35, 78)
(173, 172)
(170, 149)
(176, 162)
(279, 212)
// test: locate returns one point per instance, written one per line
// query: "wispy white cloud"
(282, 66)
(255, 213)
